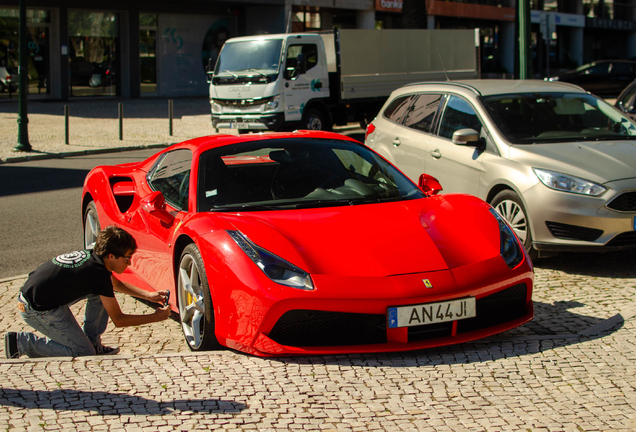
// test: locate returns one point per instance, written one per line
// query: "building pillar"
(366, 19)
(576, 44)
(507, 46)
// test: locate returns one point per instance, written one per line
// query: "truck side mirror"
(210, 72)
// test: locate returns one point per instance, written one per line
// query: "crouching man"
(45, 298)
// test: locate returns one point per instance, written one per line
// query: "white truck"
(318, 80)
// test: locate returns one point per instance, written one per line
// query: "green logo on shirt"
(72, 259)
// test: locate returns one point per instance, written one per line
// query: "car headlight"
(276, 268)
(272, 105)
(510, 249)
(566, 183)
(216, 107)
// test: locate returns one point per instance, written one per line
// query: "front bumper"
(349, 314)
(569, 222)
(272, 122)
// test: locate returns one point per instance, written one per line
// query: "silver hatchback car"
(558, 163)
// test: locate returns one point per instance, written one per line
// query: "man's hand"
(163, 313)
(158, 296)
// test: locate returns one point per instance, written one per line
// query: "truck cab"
(267, 82)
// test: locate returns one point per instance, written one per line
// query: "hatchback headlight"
(276, 268)
(216, 107)
(566, 183)
(272, 105)
(510, 249)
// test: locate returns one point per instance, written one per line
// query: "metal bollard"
(66, 124)
(121, 122)
(170, 116)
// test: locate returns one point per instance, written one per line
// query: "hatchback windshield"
(533, 118)
(297, 173)
(237, 57)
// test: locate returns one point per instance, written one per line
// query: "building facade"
(164, 48)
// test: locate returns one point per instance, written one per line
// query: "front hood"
(599, 161)
(377, 240)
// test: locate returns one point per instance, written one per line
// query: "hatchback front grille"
(573, 232)
(625, 202)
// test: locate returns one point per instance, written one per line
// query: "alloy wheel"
(515, 216)
(191, 301)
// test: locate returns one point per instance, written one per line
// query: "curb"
(43, 156)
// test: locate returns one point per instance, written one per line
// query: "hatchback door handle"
(436, 153)
(397, 142)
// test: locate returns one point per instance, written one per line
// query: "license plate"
(431, 313)
(239, 126)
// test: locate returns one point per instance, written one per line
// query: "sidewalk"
(94, 125)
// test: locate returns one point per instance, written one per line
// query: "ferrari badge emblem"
(427, 283)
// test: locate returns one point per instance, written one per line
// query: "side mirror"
(155, 205)
(429, 185)
(301, 63)
(466, 137)
(210, 72)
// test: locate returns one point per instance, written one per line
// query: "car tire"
(195, 301)
(508, 204)
(91, 225)
(314, 119)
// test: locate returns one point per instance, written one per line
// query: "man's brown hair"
(114, 240)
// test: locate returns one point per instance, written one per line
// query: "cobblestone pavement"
(573, 368)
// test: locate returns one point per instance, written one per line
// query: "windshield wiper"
(233, 74)
(335, 202)
(251, 207)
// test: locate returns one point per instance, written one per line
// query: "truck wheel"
(314, 120)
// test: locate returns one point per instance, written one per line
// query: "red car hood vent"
(365, 240)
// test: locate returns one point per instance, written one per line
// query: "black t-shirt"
(66, 279)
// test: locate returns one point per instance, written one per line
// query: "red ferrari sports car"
(310, 243)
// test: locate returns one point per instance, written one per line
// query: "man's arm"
(126, 288)
(121, 319)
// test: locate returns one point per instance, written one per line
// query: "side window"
(398, 109)
(458, 114)
(621, 69)
(422, 113)
(309, 50)
(172, 178)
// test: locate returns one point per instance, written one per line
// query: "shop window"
(38, 45)
(148, 54)
(306, 18)
(93, 53)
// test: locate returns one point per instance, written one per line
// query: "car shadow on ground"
(108, 403)
(619, 264)
(554, 326)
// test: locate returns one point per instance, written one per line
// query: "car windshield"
(297, 173)
(534, 118)
(244, 57)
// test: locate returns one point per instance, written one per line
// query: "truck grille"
(242, 103)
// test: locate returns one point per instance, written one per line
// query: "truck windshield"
(250, 56)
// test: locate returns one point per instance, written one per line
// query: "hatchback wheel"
(508, 204)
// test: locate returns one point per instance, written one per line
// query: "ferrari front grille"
(498, 308)
(319, 328)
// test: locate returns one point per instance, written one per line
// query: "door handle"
(436, 153)
(397, 142)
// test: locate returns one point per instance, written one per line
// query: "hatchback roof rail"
(455, 83)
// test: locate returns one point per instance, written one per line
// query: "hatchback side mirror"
(155, 205)
(429, 185)
(466, 137)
